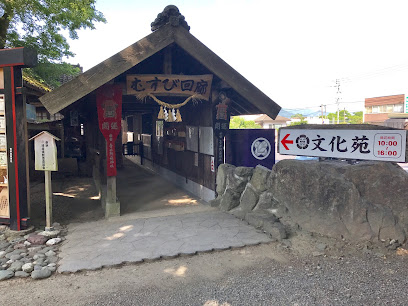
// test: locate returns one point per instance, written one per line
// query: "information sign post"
(46, 160)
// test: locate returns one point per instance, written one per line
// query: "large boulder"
(229, 200)
(247, 202)
(221, 179)
(367, 201)
(259, 178)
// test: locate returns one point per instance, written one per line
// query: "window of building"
(376, 109)
(42, 115)
(368, 109)
(399, 108)
(389, 109)
(383, 108)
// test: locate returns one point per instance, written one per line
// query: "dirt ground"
(259, 275)
(306, 269)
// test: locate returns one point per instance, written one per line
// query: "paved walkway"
(106, 243)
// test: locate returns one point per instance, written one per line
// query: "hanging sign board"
(176, 85)
(381, 145)
(74, 118)
(45, 150)
(109, 105)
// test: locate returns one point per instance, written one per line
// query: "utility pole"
(321, 108)
(323, 113)
(338, 99)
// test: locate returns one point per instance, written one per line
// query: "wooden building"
(177, 97)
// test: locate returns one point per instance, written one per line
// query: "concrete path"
(108, 243)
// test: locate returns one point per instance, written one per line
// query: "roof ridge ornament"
(171, 15)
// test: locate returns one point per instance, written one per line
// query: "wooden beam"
(21, 57)
(225, 72)
(107, 70)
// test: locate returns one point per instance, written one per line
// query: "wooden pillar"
(48, 200)
(12, 61)
(16, 146)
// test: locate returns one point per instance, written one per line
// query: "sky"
(292, 50)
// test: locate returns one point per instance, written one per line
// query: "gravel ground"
(354, 281)
(260, 275)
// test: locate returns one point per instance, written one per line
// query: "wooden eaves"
(131, 56)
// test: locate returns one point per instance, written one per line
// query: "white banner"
(381, 145)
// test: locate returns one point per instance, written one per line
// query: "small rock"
(53, 241)
(50, 234)
(21, 274)
(40, 261)
(50, 253)
(14, 252)
(53, 264)
(9, 262)
(2, 253)
(6, 274)
(37, 256)
(52, 259)
(27, 244)
(16, 266)
(15, 257)
(34, 249)
(37, 267)
(44, 250)
(37, 239)
(331, 288)
(19, 246)
(28, 267)
(40, 274)
(321, 246)
(287, 243)
(52, 269)
(4, 245)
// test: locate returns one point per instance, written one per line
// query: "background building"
(377, 109)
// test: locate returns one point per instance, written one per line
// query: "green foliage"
(302, 121)
(356, 118)
(50, 73)
(298, 116)
(346, 117)
(241, 123)
(41, 24)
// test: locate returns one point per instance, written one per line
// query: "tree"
(346, 117)
(298, 116)
(302, 121)
(40, 25)
(356, 118)
(241, 123)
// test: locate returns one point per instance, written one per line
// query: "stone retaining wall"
(367, 201)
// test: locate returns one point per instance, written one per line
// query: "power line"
(375, 73)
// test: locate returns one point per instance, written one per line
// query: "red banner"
(109, 104)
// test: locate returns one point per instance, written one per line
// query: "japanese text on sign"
(385, 145)
(109, 105)
(184, 85)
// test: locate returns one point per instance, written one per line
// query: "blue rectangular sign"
(250, 147)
